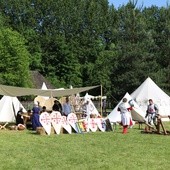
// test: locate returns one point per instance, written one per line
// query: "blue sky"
(146, 3)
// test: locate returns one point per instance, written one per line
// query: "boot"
(125, 128)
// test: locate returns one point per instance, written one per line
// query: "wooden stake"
(101, 102)
(165, 133)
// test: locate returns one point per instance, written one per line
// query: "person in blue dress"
(35, 116)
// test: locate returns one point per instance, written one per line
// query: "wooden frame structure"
(150, 129)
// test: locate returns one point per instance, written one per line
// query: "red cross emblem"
(45, 119)
(72, 119)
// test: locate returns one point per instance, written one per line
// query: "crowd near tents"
(9, 104)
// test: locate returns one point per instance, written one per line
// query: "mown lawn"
(100, 150)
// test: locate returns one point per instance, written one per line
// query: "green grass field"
(26, 150)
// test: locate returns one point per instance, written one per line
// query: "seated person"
(19, 117)
(29, 113)
(27, 117)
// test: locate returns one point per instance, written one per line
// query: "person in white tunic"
(89, 108)
(124, 109)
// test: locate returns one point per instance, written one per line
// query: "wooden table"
(26, 118)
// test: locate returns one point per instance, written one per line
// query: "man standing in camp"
(126, 120)
(152, 112)
(89, 108)
(66, 107)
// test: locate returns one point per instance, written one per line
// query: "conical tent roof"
(44, 87)
(41, 99)
(150, 90)
(137, 113)
(87, 96)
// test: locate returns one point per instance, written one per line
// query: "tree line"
(84, 43)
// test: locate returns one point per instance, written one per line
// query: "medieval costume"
(126, 119)
(57, 106)
(19, 117)
(152, 112)
(35, 117)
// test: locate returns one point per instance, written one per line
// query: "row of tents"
(147, 90)
(9, 105)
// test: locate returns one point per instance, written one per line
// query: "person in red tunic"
(126, 119)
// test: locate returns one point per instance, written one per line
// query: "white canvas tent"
(87, 96)
(149, 90)
(41, 99)
(44, 87)
(93, 97)
(9, 107)
(137, 113)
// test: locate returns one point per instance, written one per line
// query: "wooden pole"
(164, 130)
(101, 102)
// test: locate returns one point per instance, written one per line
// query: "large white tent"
(137, 113)
(95, 111)
(150, 90)
(9, 107)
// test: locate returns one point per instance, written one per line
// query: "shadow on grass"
(32, 132)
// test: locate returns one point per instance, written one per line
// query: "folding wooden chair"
(3, 126)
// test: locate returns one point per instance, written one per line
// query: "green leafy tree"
(135, 48)
(14, 59)
(157, 22)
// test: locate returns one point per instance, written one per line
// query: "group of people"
(124, 108)
(34, 114)
(126, 119)
(64, 109)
